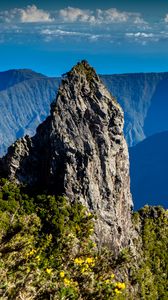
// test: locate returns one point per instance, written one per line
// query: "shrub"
(47, 250)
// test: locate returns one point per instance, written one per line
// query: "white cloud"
(140, 35)
(144, 38)
(31, 14)
(109, 25)
(71, 14)
(111, 15)
(51, 34)
(99, 16)
(59, 32)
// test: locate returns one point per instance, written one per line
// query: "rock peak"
(80, 151)
(83, 69)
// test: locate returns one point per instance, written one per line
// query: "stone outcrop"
(80, 151)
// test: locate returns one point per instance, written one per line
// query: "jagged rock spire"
(80, 151)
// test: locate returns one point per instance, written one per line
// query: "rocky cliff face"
(80, 151)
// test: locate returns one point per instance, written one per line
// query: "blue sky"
(114, 36)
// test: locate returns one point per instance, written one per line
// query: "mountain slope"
(144, 99)
(23, 107)
(12, 77)
(80, 151)
(148, 171)
(156, 119)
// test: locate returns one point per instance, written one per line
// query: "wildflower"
(107, 281)
(117, 291)
(70, 235)
(28, 269)
(89, 260)
(78, 261)
(32, 252)
(62, 274)
(67, 281)
(112, 276)
(120, 285)
(37, 257)
(85, 269)
(49, 271)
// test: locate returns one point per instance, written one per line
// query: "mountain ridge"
(139, 110)
(11, 77)
(23, 106)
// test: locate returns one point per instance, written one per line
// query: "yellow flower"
(49, 271)
(112, 276)
(62, 274)
(89, 260)
(67, 281)
(32, 252)
(117, 291)
(121, 285)
(78, 261)
(107, 281)
(85, 269)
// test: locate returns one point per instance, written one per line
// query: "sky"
(115, 36)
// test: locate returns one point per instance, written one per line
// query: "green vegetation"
(46, 250)
(84, 68)
(151, 274)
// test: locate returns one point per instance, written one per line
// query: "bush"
(47, 250)
(151, 274)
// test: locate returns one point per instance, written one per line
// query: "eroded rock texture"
(80, 151)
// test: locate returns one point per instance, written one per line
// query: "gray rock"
(80, 151)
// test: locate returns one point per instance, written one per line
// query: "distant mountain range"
(148, 171)
(25, 98)
(144, 99)
(12, 77)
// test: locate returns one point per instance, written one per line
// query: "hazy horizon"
(60, 75)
